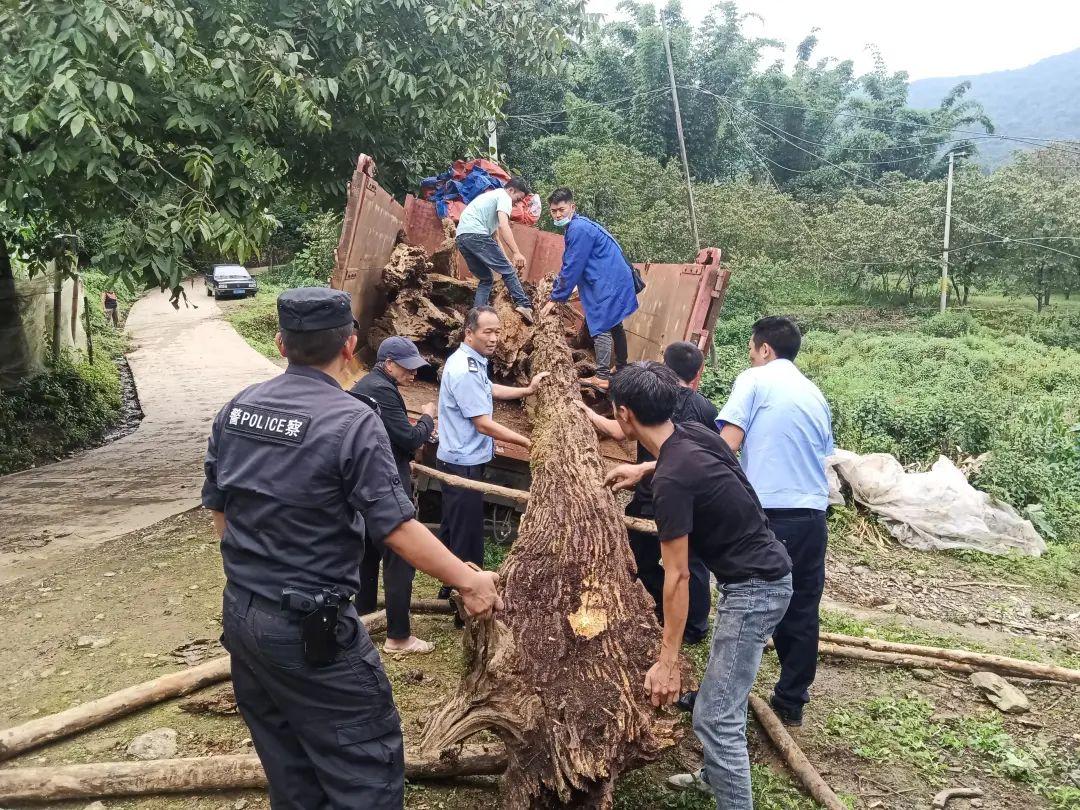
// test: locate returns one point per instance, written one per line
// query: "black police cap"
(312, 309)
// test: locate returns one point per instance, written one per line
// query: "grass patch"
(70, 405)
(255, 320)
(903, 731)
(645, 789)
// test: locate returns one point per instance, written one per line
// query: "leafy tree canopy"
(172, 126)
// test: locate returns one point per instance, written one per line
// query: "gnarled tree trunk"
(558, 675)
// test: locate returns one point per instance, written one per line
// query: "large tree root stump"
(558, 675)
(815, 785)
(100, 780)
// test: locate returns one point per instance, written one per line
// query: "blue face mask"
(562, 223)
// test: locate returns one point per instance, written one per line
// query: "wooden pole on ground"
(98, 780)
(893, 659)
(43, 730)
(815, 785)
(516, 495)
(426, 605)
(998, 663)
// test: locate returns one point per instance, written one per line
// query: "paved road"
(186, 365)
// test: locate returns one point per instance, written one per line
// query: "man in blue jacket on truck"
(594, 264)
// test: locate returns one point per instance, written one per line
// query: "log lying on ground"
(995, 663)
(796, 760)
(37, 732)
(100, 780)
(558, 674)
(516, 495)
(893, 659)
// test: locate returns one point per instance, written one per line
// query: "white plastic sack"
(934, 510)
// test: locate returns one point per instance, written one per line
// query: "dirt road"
(187, 363)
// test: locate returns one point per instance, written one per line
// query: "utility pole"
(948, 225)
(682, 141)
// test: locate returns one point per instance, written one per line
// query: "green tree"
(179, 125)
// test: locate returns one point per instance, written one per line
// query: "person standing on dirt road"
(782, 424)
(487, 215)
(687, 361)
(704, 503)
(112, 307)
(467, 433)
(594, 264)
(397, 362)
(298, 471)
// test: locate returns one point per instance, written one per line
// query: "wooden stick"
(947, 795)
(516, 495)
(815, 785)
(203, 774)
(43, 730)
(973, 583)
(426, 605)
(998, 663)
(894, 659)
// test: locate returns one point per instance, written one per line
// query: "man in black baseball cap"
(397, 363)
(299, 476)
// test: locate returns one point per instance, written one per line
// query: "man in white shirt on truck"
(487, 215)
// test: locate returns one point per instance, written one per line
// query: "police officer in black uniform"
(297, 472)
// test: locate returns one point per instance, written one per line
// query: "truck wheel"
(504, 524)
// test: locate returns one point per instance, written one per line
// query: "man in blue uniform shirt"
(467, 433)
(593, 263)
(298, 471)
(783, 426)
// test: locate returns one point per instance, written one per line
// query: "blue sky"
(925, 37)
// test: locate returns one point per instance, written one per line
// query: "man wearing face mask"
(594, 264)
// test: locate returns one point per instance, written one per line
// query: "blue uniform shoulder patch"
(473, 365)
(268, 425)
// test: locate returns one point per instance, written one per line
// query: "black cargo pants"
(397, 577)
(462, 525)
(329, 738)
(804, 533)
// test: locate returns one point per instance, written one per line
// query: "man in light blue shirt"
(467, 432)
(487, 215)
(783, 426)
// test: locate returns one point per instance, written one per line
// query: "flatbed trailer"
(680, 302)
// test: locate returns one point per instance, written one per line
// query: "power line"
(781, 134)
(802, 221)
(1031, 140)
(610, 103)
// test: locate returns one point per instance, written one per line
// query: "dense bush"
(60, 410)
(72, 405)
(916, 395)
(313, 264)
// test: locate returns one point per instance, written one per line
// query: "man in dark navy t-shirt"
(687, 361)
(703, 503)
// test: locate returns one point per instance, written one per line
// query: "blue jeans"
(484, 258)
(746, 614)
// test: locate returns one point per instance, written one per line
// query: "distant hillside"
(1039, 100)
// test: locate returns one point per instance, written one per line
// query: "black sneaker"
(789, 717)
(686, 701)
(445, 591)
